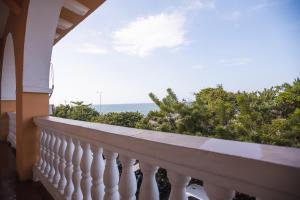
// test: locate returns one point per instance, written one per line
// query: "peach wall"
(33, 104)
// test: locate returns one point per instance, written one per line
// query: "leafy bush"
(76, 111)
(127, 119)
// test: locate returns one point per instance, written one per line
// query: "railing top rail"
(242, 165)
(285, 156)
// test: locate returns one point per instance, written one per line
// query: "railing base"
(37, 175)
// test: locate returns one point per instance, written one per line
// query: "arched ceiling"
(72, 13)
(4, 12)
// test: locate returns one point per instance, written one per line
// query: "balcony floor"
(10, 187)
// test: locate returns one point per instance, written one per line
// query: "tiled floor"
(10, 187)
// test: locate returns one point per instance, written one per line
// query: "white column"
(128, 184)
(39, 38)
(216, 192)
(178, 185)
(69, 169)
(111, 176)
(85, 165)
(56, 176)
(77, 194)
(97, 173)
(51, 148)
(62, 164)
(149, 189)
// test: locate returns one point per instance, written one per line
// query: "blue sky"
(128, 50)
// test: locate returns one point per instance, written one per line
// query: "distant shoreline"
(143, 108)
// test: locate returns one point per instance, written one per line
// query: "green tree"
(77, 111)
(270, 116)
(127, 119)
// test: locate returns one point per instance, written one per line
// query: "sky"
(127, 50)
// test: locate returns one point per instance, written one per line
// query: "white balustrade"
(11, 138)
(47, 157)
(56, 176)
(85, 165)
(62, 165)
(44, 150)
(111, 176)
(51, 157)
(128, 185)
(77, 194)
(97, 171)
(69, 169)
(39, 163)
(149, 189)
(41, 160)
(72, 166)
(179, 183)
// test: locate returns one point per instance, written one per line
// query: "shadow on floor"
(10, 187)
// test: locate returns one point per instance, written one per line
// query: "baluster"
(51, 161)
(45, 172)
(43, 165)
(97, 173)
(111, 176)
(41, 160)
(128, 184)
(69, 169)
(85, 165)
(77, 194)
(216, 192)
(56, 176)
(48, 167)
(149, 189)
(62, 164)
(178, 183)
(38, 164)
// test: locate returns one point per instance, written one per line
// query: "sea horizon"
(143, 108)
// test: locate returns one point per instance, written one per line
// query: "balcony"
(82, 160)
(79, 161)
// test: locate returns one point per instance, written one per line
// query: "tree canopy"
(270, 116)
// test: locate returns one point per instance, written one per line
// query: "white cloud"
(233, 16)
(235, 62)
(258, 7)
(200, 4)
(166, 30)
(198, 67)
(263, 5)
(142, 36)
(92, 49)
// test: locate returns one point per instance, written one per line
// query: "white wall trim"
(40, 32)
(8, 98)
(34, 89)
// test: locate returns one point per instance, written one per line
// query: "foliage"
(76, 110)
(127, 119)
(84, 112)
(271, 116)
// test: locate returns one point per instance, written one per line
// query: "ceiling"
(4, 12)
(72, 13)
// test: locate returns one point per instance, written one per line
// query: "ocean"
(143, 108)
